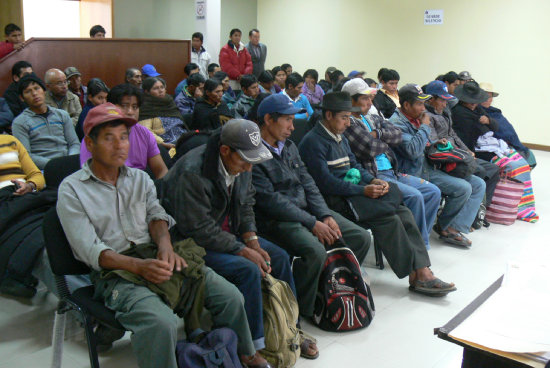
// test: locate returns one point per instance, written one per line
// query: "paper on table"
(516, 317)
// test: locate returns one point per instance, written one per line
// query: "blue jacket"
(46, 137)
(302, 103)
(505, 130)
(410, 152)
(185, 102)
(79, 128)
(328, 162)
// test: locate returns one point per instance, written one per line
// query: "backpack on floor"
(282, 337)
(216, 349)
(344, 301)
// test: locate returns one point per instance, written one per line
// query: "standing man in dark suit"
(257, 50)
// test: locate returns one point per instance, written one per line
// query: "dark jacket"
(329, 161)
(285, 191)
(195, 194)
(505, 131)
(6, 116)
(79, 128)
(384, 104)
(466, 124)
(258, 63)
(442, 127)
(365, 147)
(12, 98)
(206, 117)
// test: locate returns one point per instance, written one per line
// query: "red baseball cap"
(104, 113)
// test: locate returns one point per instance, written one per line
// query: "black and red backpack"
(344, 301)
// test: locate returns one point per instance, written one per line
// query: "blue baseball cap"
(278, 103)
(439, 89)
(355, 73)
(150, 70)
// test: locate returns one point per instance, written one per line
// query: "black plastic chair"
(301, 127)
(60, 167)
(63, 262)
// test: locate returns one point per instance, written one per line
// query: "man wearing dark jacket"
(387, 100)
(18, 71)
(210, 194)
(289, 207)
(376, 204)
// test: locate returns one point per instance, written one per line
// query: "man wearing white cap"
(370, 137)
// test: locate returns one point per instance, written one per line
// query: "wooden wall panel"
(107, 59)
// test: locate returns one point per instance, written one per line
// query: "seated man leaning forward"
(372, 203)
(370, 137)
(210, 193)
(463, 196)
(110, 214)
(289, 207)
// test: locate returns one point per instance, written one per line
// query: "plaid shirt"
(366, 147)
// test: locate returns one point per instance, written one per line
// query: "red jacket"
(7, 47)
(235, 63)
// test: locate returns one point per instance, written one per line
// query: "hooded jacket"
(442, 127)
(195, 194)
(235, 62)
(46, 137)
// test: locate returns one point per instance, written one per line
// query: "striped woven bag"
(504, 206)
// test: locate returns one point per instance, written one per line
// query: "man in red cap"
(115, 224)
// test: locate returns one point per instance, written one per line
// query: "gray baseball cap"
(245, 138)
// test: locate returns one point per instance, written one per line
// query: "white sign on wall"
(200, 9)
(433, 17)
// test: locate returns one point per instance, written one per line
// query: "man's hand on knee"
(154, 270)
(255, 257)
(324, 233)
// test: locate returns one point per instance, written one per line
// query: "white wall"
(502, 42)
(51, 18)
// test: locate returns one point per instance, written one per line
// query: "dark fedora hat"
(338, 101)
(470, 92)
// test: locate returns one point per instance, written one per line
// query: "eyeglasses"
(60, 83)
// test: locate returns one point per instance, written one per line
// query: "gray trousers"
(154, 324)
(400, 240)
(298, 241)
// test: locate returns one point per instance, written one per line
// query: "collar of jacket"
(211, 158)
(323, 132)
(445, 112)
(232, 46)
(33, 114)
(201, 50)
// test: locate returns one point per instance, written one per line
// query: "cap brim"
(447, 96)
(255, 156)
(423, 97)
(154, 74)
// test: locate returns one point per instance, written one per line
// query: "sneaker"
(13, 287)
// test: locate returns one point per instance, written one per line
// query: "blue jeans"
(247, 277)
(464, 196)
(420, 196)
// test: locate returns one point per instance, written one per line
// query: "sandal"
(456, 239)
(307, 344)
(306, 347)
(434, 287)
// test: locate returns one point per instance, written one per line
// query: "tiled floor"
(401, 334)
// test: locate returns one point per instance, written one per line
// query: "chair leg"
(379, 257)
(57, 338)
(91, 339)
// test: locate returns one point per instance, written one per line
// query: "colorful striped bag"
(504, 206)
